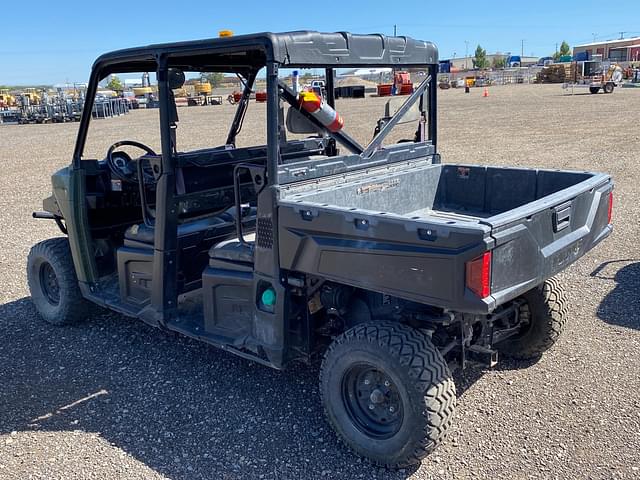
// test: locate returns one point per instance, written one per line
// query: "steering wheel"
(124, 167)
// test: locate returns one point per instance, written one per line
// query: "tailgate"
(540, 239)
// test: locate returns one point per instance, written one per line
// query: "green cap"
(269, 297)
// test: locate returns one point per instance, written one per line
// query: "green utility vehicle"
(373, 256)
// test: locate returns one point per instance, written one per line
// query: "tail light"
(478, 275)
(610, 211)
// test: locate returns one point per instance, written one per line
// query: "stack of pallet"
(574, 72)
(554, 73)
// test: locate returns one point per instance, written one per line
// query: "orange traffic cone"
(486, 92)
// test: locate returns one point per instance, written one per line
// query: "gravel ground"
(114, 398)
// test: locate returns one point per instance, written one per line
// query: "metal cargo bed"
(410, 232)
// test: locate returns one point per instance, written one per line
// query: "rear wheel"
(594, 89)
(608, 87)
(53, 283)
(387, 392)
(543, 316)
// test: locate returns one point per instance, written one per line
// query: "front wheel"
(608, 87)
(543, 317)
(594, 90)
(53, 283)
(387, 392)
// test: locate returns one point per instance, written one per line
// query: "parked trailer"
(594, 75)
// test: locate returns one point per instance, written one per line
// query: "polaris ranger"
(386, 263)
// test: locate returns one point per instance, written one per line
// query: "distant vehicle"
(445, 66)
(513, 61)
(105, 94)
(444, 82)
(318, 87)
(544, 61)
(402, 83)
(134, 103)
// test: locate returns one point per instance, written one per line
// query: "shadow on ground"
(622, 305)
(183, 408)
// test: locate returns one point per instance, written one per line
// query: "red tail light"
(478, 275)
(610, 212)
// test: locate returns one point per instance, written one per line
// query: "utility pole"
(622, 35)
(466, 53)
(556, 49)
(521, 50)
(395, 30)
(594, 37)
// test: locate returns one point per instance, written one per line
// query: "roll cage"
(245, 56)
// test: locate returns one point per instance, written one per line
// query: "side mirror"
(394, 104)
(296, 122)
(176, 78)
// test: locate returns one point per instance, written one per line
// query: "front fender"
(68, 202)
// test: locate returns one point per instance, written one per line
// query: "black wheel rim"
(49, 283)
(372, 401)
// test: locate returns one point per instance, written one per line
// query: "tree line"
(481, 62)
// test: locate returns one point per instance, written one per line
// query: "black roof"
(295, 49)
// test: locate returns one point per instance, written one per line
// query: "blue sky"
(57, 41)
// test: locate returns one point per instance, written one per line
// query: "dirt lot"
(114, 398)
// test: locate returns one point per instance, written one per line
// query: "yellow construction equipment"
(33, 96)
(142, 91)
(179, 92)
(6, 99)
(107, 93)
(202, 88)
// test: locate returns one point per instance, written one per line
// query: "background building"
(463, 63)
(625, 50)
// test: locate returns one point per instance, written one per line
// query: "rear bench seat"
(234, 250)
(221, 225)
(195, 240)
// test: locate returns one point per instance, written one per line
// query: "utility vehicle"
(377, 258)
